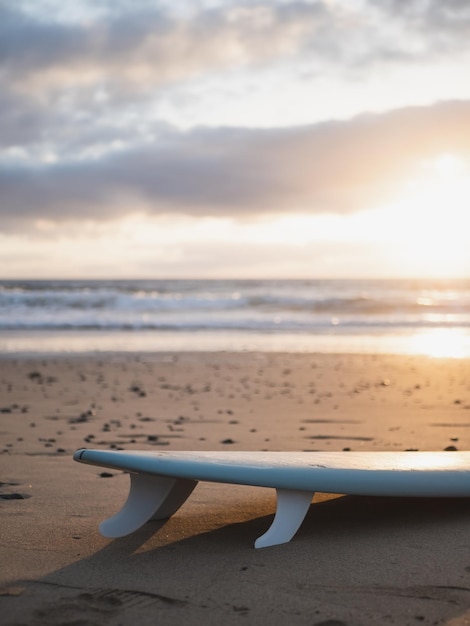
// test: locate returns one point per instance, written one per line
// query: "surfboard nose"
(78, 454)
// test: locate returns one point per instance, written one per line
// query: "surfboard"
(160, 482)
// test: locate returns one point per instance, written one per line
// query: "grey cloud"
(444, 26)
(150, 44)
(21, 121)
(28, 44)
(331, 167)
(77, 125)
(51, 72)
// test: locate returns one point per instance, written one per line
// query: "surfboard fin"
(150, 497)
(292, 507)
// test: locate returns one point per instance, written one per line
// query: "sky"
(223, 139)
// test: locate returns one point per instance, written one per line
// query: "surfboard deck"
(162, 481)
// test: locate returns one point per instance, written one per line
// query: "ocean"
(375, 316)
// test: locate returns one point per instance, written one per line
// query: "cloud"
(148, 46)
(417, 30)
(433, 18)
(79, 138)
(77, 85)
(97, 79)
(338, 167)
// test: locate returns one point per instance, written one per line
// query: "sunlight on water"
(441, 342)
(426, 317)
(435, 343)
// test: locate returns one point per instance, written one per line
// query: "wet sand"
(355, 561)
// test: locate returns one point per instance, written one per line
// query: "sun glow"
(431, 222)
(441, 343)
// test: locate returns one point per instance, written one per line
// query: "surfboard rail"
(160, 482)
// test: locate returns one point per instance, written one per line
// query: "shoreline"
(359, 561)
(436, 342)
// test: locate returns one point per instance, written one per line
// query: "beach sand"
(355, 561)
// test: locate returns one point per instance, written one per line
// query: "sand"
(355, 561)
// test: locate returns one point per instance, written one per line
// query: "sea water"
(392, 316)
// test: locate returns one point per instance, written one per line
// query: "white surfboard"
(162, 481)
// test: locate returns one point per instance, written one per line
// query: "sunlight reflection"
(430, 461)
(444, 343)
(441, 342)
